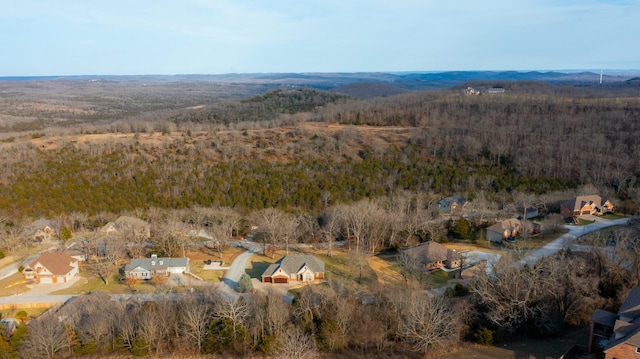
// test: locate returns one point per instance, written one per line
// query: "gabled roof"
(579, 202)
(631, 306)
(293, 263)
(55, 262)
(626, 324)
(445, 203)
(125, 222)
(603, 317)
(429, 252)
(41, 223)
(156, 263)
(507, 224)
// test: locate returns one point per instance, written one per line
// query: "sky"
(138, 37)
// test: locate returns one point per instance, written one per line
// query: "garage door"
(280, 280)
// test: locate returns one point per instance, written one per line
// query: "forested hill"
(265, 107)
(304, 149)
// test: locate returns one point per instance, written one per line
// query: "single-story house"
(510, 228)
(452, 205)
(51, 267)
(294, 268)
(618, 334)
(147, 268)
(585, 205)
(432, 255)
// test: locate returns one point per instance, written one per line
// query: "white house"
(147, 268)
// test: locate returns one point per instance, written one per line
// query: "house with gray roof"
(294, 268)
(148, 268)
(452, 205)
(509, 229)
(618, 334)
(433, 255)
(41, 230)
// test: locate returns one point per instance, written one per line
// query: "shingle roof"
(292, 263)
(155, 263)
(56, 262)
(580, 201)
(445, 203)
(429, 252)
(507, 224)
(631, 306)
(603, 317)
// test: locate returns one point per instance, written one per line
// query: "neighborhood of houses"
(61, 266)
(616, 334)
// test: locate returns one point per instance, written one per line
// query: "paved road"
(239, 264)
(566, 240)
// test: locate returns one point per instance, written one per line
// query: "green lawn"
(583, 222)
(612, 216)
(439, 278)
(197, 268)
(256, 268)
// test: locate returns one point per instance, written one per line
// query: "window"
(637, 350)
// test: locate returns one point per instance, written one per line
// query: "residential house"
(432, 255)
(452, 205)
(508, 229)
(76, 250)
(128, 226)
(148, 268)
(294, 268)
(585, 205)
(618, 334)
(42, 230)
(51, 267)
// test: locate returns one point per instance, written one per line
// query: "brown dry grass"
(383, 136)
(13, 285)
(386, 269)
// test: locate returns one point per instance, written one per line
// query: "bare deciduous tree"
(47, 337)
(196, 315)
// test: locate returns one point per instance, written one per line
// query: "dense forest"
(261, 152)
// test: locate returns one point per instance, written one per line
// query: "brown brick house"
(294, 268)
(585, 205)
(618, 334)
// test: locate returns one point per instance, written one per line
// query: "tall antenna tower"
(600, 77)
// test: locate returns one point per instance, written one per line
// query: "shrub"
(244, 284)
(484, 336)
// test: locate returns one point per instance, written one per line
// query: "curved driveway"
(565, 240)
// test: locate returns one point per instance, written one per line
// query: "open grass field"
(13, 285)
(198, 257)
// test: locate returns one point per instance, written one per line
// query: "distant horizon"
(568, 71)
